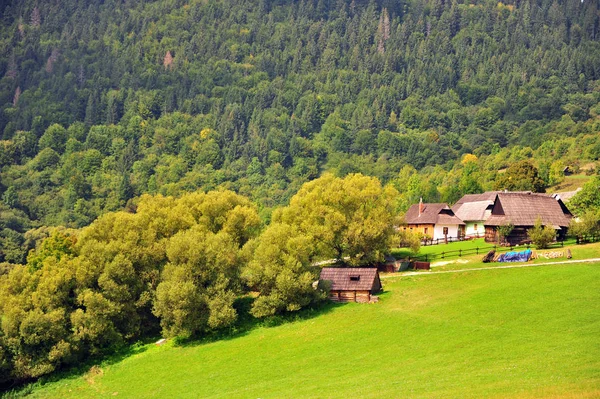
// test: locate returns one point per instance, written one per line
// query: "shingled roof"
(352, 278)
(473, 211)
(523, 209)
(566, 196)
(432, 214)
(487, 196)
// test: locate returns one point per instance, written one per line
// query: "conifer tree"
(36, 18)
(17, 95)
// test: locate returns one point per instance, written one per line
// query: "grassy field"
(512, 333)
(435, 249)
(584, 251)
(439, 248)
(570, 183)
(578, 252)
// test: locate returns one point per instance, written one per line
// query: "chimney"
(421, 206)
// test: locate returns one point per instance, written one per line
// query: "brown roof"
(473, 211)
(432, 214)
(472, 207)
(567, 195)
(522, 209)
(487, 196)
(363, 278)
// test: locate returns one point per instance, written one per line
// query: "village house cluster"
(481, 215)
(473, 216)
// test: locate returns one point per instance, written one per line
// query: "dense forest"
(102, 101)
(160, 160)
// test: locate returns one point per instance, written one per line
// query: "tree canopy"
(521, 176)
(145, 144)
(101, 102)
(173, 264)
(350, 219)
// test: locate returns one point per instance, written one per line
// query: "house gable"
(523, 209)
(497, 208)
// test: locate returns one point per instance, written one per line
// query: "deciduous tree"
(520, 176)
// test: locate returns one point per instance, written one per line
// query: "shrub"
(408, 239)
(586, 225)
(541, 235)
(504, 231)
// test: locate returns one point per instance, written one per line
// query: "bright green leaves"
(179, 258)
(178, 265)
(521, 176)
(199, 284)
(350, 220)
(540, 235)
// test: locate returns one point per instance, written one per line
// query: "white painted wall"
(470, 229)
(438, 231)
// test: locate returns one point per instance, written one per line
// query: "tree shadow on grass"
(384, 294)
(243, 326)
(246, 322)
(91, 365)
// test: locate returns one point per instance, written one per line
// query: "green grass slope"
(451, 260)
(526, 333)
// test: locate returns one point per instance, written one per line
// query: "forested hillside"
(103, 101)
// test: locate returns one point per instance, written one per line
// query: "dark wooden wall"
(350, 296)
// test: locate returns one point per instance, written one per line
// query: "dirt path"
(425, 273)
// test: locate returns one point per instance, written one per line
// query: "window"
(475, 226)
(354, 278)
(425, 230)
(445, 231)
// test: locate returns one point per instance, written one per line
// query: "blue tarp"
(512, 256)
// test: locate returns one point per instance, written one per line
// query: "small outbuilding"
(390, 265)
(351, 284)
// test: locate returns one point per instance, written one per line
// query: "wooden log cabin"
(522, 210)
(351, 284)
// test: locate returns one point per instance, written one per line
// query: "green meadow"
(473, 261)
(506, 333)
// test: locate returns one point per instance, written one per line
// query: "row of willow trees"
(177, 266)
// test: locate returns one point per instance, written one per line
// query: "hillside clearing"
(527, 333)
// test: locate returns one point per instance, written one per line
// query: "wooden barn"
(351, 284)
(522, 210)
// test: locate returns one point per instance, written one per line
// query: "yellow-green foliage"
(541, 235)
(178, 265)
(350, 219)
(178, 258)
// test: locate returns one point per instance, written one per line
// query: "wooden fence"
(429, 241)
(474, 251)
(587, 239)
